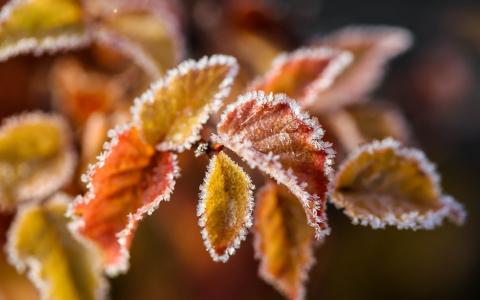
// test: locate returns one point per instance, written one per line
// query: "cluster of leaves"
(67, 244)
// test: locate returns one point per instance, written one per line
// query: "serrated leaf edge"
(412, 220)
(203, 218)
(181, 70)
(269, 163)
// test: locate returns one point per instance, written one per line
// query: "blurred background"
(437, 86)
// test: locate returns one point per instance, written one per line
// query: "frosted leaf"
(36, 157)
(225, 207)
(60, 265)
(271, 132)
(144, 30)
(38, 26)
(304, 73)
(128, 181)
(372, 47)
(284, 242)
(383, 183)
(172, 112)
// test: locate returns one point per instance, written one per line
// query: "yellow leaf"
(372, 47)
(174, 110)
(225, 207)
(145, 31)
(40, 26)
(284, 241)
(272, 133)
(61, 266)
(383, 183)
(36, 157)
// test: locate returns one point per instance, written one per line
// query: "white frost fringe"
(269, 163)
(201, 209)
(78, 222)
(33, 266)
(412, 220)
(174, 74)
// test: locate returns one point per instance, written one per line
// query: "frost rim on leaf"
(33, 265)
(67, 149)
(181, 70)
(269, 163)
(451, 208)
(78, 222)
(248, 219)
(340, 59)
(38, 47)
(262, 269)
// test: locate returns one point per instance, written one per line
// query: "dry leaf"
(172, 113)
(383, 183)
(284, 242)
(61, 266)
(272, 133)
(225, 207)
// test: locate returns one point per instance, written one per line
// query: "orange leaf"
(372, 47)
(283, 240)
(383, 184)
(272, 133)
(303, 74)
(128, 181)
(78, 93)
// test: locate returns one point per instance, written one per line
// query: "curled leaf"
(225, 207)
(128, 181)
(284, 242)
(383, 183)
(78, 93)
(36, 157)
(61, 266)
(146, 31)
(40, 26)
(303, 74)
(272, 133)
(372, 47)
(172, 112)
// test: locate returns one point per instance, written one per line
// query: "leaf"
(304, 73)
(284, 242)
(372, 47)
(272, 133)
(40, 26)
(61, 266)
(128, 181)
(173, 111)
(365, 122)
(383, 184)
(225, 207)
(377, 121)
(145, 31)
(36, 157)
(78, 93)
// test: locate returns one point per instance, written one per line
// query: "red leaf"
(128, 181)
